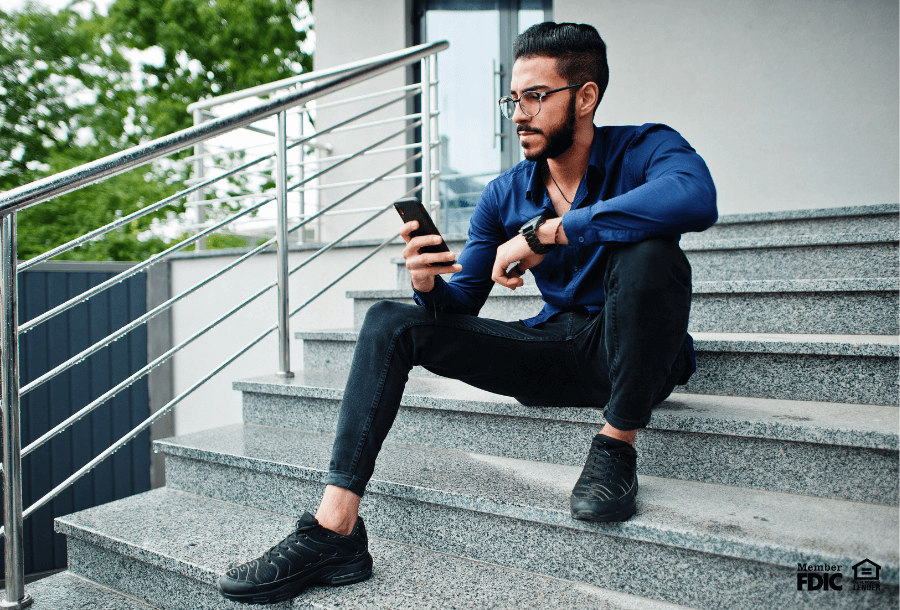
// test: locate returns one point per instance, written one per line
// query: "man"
(596, 215)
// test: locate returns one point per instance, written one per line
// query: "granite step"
(824, 306)
(744, 442)
(777, 257)
(844, 255)
(852, 219)
(690, 543)
(861, 369)
(170, 546)
(67, 591)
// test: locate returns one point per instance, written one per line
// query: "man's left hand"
(515, 250)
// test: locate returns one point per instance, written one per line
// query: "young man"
(596, 215)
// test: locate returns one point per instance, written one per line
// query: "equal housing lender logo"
(826, 577)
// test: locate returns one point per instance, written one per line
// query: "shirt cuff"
(577, 226)
(430, 299)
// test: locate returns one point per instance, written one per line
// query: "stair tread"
(870, 426)
(827, 285)
(771, 343)
(699, 242)
(66, 591)
(196, 537)
(808, 213)
(770, 527)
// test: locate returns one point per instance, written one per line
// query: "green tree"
(68, 96)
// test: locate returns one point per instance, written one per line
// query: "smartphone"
(411, 209)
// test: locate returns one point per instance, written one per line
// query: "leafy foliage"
(69, 95)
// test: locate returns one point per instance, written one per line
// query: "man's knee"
(654, 264)
(389, 315)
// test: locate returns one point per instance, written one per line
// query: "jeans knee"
(388, 316)
(652, 264)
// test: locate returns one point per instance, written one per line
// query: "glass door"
(477, 143)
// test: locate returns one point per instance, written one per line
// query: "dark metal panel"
(52, 343)
(101, 381)
(59, 408)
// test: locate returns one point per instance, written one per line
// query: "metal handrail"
(32, 194)
(419, 52)
(112, 165)
(135, 215)
(183, 244)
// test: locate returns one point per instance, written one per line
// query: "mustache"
(523, 129)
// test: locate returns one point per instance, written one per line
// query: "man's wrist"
(551, 232)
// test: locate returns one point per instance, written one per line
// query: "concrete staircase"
(782, 450)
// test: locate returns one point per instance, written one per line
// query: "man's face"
(552, 132)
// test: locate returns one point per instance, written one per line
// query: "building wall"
(794, 104)
(348, 32)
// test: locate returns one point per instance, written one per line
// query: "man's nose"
(519, 115)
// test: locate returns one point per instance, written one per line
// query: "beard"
(558, 141)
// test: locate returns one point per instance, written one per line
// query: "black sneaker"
(309, 555)
(607, 487)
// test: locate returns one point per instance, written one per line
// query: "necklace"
(557, 186)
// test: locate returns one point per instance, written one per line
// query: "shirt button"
(581, 239)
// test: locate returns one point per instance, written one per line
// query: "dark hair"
(579, 51)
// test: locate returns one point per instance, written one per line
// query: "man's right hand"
(419, 265)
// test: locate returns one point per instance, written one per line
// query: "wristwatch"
(529, 230)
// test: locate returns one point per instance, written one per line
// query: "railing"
(301, 90)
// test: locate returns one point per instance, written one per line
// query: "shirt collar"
(597, 161)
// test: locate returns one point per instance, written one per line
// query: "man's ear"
(587, 99)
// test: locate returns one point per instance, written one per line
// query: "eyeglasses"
(530, 102)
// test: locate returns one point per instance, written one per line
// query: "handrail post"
(199, 174)
(434, 152)
(425, 103)
(12, 443)
(302, 174)
(281, 234)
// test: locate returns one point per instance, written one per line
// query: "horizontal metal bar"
(354, 155)
(319, 161)
(138, 214)
(379, 151)
(479, 175)
(396, 119)
(84, 296)
(80, 357)
(95, 171)
(334, 185)
(328, 208)
(383, 245)
(140, 428)
(359, 98)
(331, 245)
(306, 139)
(81, 413)
(408, 56)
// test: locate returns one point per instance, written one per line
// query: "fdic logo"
(825, 577)
(815, 577)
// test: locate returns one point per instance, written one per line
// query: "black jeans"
(628, 358)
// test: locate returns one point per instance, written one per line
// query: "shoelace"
(604, 467)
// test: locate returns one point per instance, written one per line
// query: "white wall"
(215, 403)
(347, 32)
(793, 103)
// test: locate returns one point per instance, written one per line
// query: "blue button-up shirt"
(640, 182)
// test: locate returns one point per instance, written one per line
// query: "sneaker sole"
(329, 575)
(590, 515)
